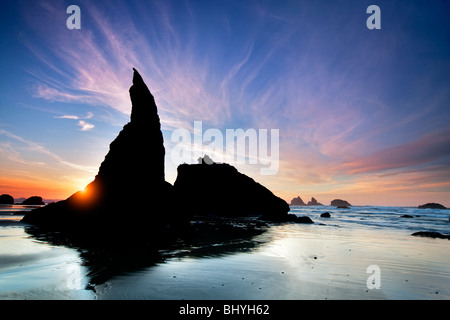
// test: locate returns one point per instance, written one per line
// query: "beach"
(327, 260)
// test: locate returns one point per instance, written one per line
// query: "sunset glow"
(362, 114)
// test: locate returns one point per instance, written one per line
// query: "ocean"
(365, 252)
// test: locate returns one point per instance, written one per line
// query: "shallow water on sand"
(325, 260)
(30, 269)
(300, 262)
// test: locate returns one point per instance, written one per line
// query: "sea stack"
(132, 169)
(432, 206)
(340, 203)
(297, 202)
(6, 199)
(34, 200)
(314, 202)
(219, 189)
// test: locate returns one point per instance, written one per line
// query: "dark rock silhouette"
(302, 219)
(325, 215)
(432, 206)
(431, 234)
(297, 202)
(407, 216)
(133, 168)
(34, 200)
(314, 202)
(220, 190)
(340, 203)
(6, 199)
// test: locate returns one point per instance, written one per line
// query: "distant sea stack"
(297, 202)
(213, 189)
(34, 200)
(314, 202)
(133, 168)
(340, 203)
(6, 199)
(432, 206)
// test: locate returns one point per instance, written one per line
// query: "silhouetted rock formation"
(302, 219)
(340, 203)
(432, 206)
(297, 202)
(220, 190)
(313, 202)
(6, 199)
(133, 168)
(34, 200)
(325, 215)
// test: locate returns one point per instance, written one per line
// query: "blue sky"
(363, 114)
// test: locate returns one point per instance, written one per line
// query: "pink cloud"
(425, 150)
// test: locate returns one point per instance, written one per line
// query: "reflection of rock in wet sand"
(107, 258)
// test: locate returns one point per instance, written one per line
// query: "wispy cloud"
(68, 117)
(85, 126)
(97, 63)
(36, 147)
(425, 150)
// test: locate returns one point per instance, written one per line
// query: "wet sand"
(300, 262)
(287, 262)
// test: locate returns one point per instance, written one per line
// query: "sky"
(362, 114)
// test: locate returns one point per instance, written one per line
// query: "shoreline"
(327, 260)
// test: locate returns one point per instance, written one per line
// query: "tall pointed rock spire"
(138, 151)
(143, 103)
(132, 169)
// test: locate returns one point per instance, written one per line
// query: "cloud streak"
(36, 147)
(84, 125)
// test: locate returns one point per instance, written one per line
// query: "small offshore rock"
(34, 200)
(431, 234)
(340, 203)
(6, 199)
(432, 206)
(303, 219)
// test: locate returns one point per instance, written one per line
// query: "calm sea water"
(325, 260)
(378, 217)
